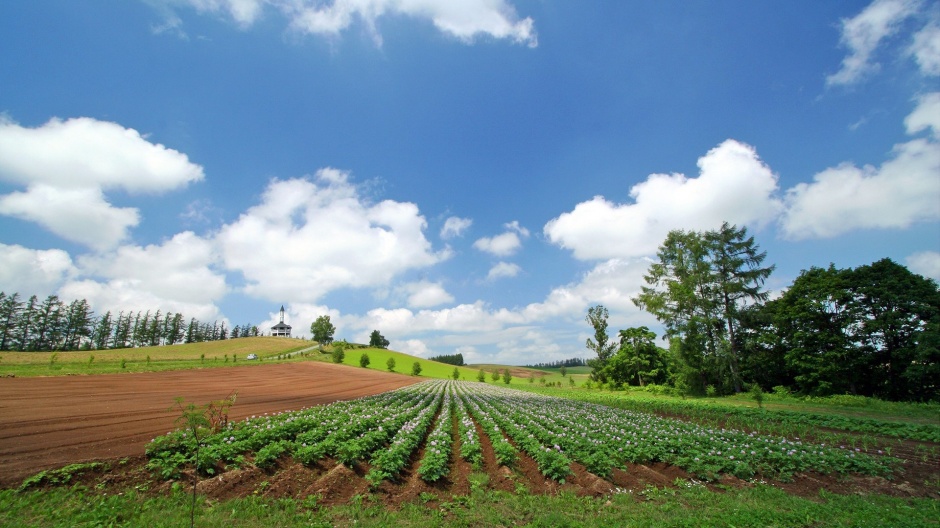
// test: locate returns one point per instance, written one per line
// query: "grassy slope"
(174, 357)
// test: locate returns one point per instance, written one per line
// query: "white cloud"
(926, 263)
(79, 215)
(505, 244)
(33, 272)
(503, 270)
(904, 190)
(424, 294)
(863, 33)
(306, 239)
(455, 226)
(926, 49)
(463, 19)
(926, 116)
(734, 185)
(66, 167)
(174, 276)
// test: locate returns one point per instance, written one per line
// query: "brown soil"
(53, 421)
(54, 427)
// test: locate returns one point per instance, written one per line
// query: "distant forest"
(570, 362)
(450, 359)
(34, 326)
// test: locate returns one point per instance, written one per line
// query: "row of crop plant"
(387, 430)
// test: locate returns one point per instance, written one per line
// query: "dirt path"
(50, 422)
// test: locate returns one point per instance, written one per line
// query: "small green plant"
(364, 360)
(416, 369)
(390, 364)
(226, 358)
(52, 359)
(758, 394)
(148, 360)
(202, 358)
(563, 370)
(494, 375)
(123, 363)
(91, 359)
(507, 377)
(481, 376)
(711, 391)
(571, 382)
(455, 374)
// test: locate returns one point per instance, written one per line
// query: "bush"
(416, 369)
(507, 377)
(390, 364)
(456, 374)
(364, 360)
(481, 376)
(758, 394)
(338, 354)
(495, 375)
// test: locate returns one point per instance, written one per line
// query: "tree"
(390, 364)
(322, 330)
(507, 377)
(339, 352)
(416, 369)
(563, 370)
(364, 360)
(10, 307)
(495, 375)
(697, 289)
(638, 361)
(481, 376)
(377, 340)
(597, 318)
(455, 374)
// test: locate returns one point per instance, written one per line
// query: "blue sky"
(465, 175)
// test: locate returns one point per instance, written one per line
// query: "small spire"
(282, 313)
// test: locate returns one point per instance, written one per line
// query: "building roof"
(281, 326)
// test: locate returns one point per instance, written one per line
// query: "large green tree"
(697, 289)
(322, 330)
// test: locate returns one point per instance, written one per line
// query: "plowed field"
(53, 421)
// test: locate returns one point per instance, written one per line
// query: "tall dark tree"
(697, 289)
(77, 325)
(10, 306)
(46, 324)
(25, 323)
(101, 338)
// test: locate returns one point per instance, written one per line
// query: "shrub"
(507, 377)
(456, 374)
(338, 354)
(758, 394)
(481, 376)
(364, 360)
(390, 364)
(416, 369)
(495, 375)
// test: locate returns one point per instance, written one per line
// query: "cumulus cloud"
(463, 19)
(862, 34)
(308, 238)
(425, 294)
(904, 190)
(733, 185)
(176, 275)
(455, 226)
(505, 244)
(30, 271)
(926, 263)
(503, 270)
(67, 166)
